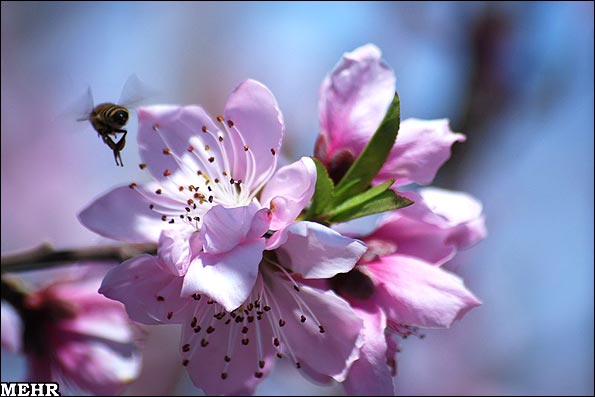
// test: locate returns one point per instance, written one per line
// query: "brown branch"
(45, 256)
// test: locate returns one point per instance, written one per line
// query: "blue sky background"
(517, 78)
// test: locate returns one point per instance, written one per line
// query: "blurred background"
(517, 78)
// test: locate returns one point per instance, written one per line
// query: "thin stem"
(44, 256)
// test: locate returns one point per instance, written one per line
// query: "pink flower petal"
(100, 317)
(369, 375)
(354, 99)
(100, 366)
(421, 148)
(165, 134)
(148, 290)
(124, 214)
(326, 341)
(316, 251)
(174, 250)
(227, 278)
(224, 228)
(416, 293)
(289, 191)
(432, 236)
(253, 111)
(11, 328)
(459, 211)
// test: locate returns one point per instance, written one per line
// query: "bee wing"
(78, 110)
(134, 92)
(86, 106)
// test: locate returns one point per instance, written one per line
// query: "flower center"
(257, 329)
(353, 284)
(205, 176)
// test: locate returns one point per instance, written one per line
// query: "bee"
(108, 119)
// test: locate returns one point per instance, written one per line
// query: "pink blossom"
(354, 98)
(231, 260)
(398, 286)
(71, 334)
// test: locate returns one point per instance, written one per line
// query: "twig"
(45, 256)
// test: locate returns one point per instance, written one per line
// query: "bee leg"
(114, 146)
(120, 146)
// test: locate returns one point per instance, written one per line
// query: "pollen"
(166, 173)
(246, 148)
(156, 127)
(170, 315)
(204, 128)
(186, 348)
(166, 151)
(160, 298)
(132, 185)
(158, 191)
(220, 138)
(190, 148)
(211, 159)
(204, 342)
(273, 151)
(142, 166)
(185, 362)
(230, 123)
(207, 148)
(220, 119)
(224, 375)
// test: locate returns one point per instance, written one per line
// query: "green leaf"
(386, 200)
(361, 198)
(323, 193)
(360, 175)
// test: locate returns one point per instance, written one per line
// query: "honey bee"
(108, 119)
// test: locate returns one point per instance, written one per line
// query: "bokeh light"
(517, 78)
